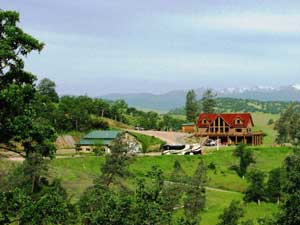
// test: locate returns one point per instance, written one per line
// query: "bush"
(99, 150)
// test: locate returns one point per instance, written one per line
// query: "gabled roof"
(100, 134)
(99, 137)
(229, 118)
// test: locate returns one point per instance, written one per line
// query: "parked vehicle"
(210, 142)
(182, 149)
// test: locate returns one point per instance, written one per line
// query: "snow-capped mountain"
(175, 99)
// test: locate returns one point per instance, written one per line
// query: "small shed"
(188, 127)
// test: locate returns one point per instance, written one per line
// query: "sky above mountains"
(97, 47)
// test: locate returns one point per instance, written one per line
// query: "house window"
(238, 130)
(204, 121)
(249, 130)
(238, 121)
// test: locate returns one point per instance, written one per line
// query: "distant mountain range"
(176, 99)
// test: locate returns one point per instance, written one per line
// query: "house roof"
(92, 142)
(100, 134)
(99, 137)
(229, 118)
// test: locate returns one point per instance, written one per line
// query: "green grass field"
(78, 173)
(261, 123)
(152, 144)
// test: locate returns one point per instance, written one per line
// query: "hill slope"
(176, 99)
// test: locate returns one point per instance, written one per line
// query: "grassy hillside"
(149, 143)
(79, 173)
(113, 124)
(261, 123)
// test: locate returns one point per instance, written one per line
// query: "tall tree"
(256, 190)
(274, 185)
(191, 106)
(195, 199)
(288, 125)
(209, 103)
(290, 214)
(246, 158)
(19, 122)
(115, 169)
(46, 87)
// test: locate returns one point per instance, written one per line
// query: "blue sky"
(97, 47)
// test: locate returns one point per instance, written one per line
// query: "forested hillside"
(242, 105)
(82, 113)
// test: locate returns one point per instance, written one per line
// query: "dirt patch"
(168, 137)
(65, 141)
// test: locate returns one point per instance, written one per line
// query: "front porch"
(253, 138)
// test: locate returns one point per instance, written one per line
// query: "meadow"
(261, 124)
(223, 184)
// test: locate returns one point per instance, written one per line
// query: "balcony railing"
(232, 133)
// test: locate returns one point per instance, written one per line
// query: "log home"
(229, 128)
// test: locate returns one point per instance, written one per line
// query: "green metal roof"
(94, 142)
(100, 134)
(99, 137)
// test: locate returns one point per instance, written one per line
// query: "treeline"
(81, 113)
(241, 105)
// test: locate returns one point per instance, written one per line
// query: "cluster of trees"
(258, 190)
(193, 107)
(281, 187)
(81, 113)
(237, 105)
(288, 125)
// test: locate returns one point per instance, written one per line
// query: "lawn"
(78, 173)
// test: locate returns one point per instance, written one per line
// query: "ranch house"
(229, 128)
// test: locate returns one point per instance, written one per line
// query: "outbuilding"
(100, 138)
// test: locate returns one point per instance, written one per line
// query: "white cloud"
(244, 22)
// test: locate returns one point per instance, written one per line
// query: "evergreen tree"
(116, 167)
(274, 185)
(46, 87)
(246, 158)
(290, 214)
(256, 190)
(209, 103)
(288, 125)
(191, 106)
(195, 199)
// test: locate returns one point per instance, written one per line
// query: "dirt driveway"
(169, 137)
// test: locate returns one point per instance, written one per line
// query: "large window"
(239, 130)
